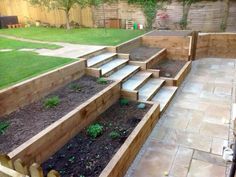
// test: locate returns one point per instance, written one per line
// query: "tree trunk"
(225, 16)
(67, 19)
(184, 19)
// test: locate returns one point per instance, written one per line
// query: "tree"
(186, 7)
(225, 15)
(65, 5)
(149, 8)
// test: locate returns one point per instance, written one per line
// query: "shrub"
(3, 127)
(124, 101)
(75, 87)
(51, 102)
(102, 80)
(114, 135)
(94, 130)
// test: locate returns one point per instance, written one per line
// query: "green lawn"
(17, 66)
(15, 44)
(93, 36)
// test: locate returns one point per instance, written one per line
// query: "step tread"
(164, 95)
(147, 90)
(123, 72)
(99, 58)
(136, 80)
(112, 65)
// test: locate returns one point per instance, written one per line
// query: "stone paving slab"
(188, 140)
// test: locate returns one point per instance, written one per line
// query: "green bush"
(94, 130)
(75, 87)
(102, 80)
(3, 127)
(51, 102)
(114, 135)
(124, 101)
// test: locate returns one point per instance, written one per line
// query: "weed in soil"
(114, 135)
(75, 87)
(51, 102)
(124, 101)
(94, 130)
(102, 80)
(3, 127)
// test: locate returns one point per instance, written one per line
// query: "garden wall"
(221, 45)
(33, 89)
(178, 47)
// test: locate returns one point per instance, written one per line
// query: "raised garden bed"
(173, 71)
(33, 118)
(169, 67)
(88, 156)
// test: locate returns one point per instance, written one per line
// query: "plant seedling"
(51, 102)
(124, 101)
(94, 130)
(71, 159)
(75, 87)
(102, 80)
(114, 135)
(3, 127)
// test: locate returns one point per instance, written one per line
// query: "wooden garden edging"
(26, 92)
(47, 142)
(179, 78)
(121, 161)
(151, 61)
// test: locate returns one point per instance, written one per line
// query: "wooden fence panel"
(25, 12)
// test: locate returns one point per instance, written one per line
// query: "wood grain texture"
(40, 147)
(125, 155)
(26, 92)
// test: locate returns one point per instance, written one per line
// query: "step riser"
(144, 82)
(99, 52)
(114, 69)
(130, 75)
(169, 101)
(154, 93)
(97, 65)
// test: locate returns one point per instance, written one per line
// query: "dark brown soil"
(90, 156)
(33, 118)
(142, 53)
(170, 33)
(169, 68)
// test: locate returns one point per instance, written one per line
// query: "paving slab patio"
(189, 137)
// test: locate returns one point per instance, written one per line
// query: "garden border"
(31, 90)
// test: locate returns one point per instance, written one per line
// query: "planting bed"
(33, 118)
(142, 53)
(86, 156)
(169, 67)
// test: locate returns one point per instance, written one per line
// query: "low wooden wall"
(179, 78)
(129, 45)
(220, 45)
(151, 61)
(40, 147)
(33, 89)
(125, 155)
(178, 47)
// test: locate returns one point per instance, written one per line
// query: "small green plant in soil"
(114, 135)
(94, 130)
(124, 101)
(75, 87)
(102, 80)
(3, 127)
(51, 102)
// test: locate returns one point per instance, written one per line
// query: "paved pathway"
(188, 139)
(67, 50)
